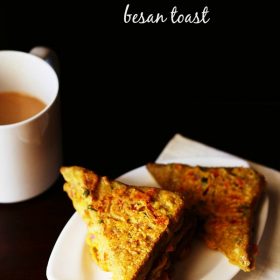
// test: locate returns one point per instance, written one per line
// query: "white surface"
(30, 154)
(268, 262)
(70, 258)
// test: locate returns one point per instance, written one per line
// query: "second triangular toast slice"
(225, 199)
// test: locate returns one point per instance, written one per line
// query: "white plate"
(70, 259)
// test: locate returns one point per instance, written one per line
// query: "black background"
(127, 88)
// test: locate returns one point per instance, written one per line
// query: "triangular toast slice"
(225, 199)
(132, 231)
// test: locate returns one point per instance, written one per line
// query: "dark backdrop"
(127, 88)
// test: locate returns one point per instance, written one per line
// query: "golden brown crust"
(177, 246)
(128, 226)
(224, 198)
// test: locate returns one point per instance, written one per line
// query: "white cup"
(30, 150)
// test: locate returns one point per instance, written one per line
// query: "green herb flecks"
(91, 208)
(86, 193)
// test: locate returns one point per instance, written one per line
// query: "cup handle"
(48, 55)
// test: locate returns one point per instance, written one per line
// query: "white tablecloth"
(268, 261)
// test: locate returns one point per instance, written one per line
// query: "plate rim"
(75, 216)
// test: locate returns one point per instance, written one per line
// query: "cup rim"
(48, 106)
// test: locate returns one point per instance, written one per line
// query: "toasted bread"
(129, 228)
(225, 199)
